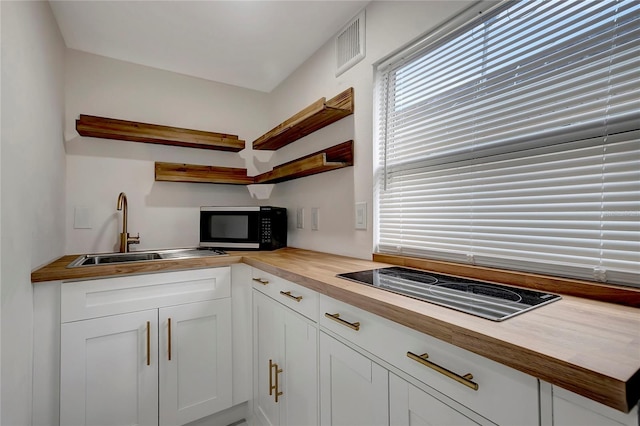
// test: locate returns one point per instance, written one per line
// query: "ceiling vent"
(350, 44)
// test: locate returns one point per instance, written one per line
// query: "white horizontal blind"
(513, 142)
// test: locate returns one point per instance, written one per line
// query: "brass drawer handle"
(273, 366)
(278, 393)
(465, 380)
(261, 281)
(169, 338)
(148, 342)
(288, 294)
(271, 387)
(336, 317)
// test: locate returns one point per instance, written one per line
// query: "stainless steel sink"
(141, 256)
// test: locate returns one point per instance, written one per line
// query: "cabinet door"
(570, 409)
(267, 346)
(410, 406)
(289, 340)
(109, 370)
(195, 360)
(353, 389)
(299, 377)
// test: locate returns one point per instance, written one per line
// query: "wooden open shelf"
(175, 172)
(314, 117)
(333, 158)
(109, 128)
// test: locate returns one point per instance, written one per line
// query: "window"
(513, 141)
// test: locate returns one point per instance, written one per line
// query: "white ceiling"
(252, 44)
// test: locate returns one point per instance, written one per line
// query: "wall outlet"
(315, 218)
(361, 215)
(300, 218)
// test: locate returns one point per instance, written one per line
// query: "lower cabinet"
(318, 360)
(107, 375)
(570, 409)
(411, 406)
(195, 361)
(353, 389)
(168, 365)
(480, 389)
(285, 365)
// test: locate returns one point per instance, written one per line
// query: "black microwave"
(248, 228)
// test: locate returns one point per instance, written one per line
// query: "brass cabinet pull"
(288, 294)
(169, 335)
(274, 387)
(271, 387)
(336, 317)
(261, 281)
(465, 380)
(277, 387)
(148, 342)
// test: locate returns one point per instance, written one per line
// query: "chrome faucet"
(125, 239)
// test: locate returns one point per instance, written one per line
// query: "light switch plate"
(300, 218)
(315, 218)
(82, 218)
(361, 215)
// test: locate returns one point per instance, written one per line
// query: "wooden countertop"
(588, 347)
(58, 271)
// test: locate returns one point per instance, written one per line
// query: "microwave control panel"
(273, 228)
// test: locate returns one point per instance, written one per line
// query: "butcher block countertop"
(589, 347)
(58, 271)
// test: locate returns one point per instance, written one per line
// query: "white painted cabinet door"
(411, 406)
(195, 362)
(353, 389)
(288, 340)
(570, 409)
(108, 371)
(267, 347)
(299, 376)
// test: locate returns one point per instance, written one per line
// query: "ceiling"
(251, 44)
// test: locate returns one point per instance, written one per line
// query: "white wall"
(0, 230)
(164, 213)
(389, 26)
(32, 184)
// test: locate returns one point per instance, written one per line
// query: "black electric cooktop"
(487, 300)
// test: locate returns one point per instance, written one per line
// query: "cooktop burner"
(487, 300)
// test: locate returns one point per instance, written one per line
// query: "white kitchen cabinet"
(109, 373)
(493, 391)
(131, 368)
(411, 406)
(195, 365)
(354, 385)
(294, 296)
(285, 365)
(570, 409)
(266, 346)
(353, 389)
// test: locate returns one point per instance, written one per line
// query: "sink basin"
(101, 259)
(141, 256)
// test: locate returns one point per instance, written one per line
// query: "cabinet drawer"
(292, 295)
(572, 409)
(503, 395)
(117, 295)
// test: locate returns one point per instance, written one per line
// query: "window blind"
(513, 141)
